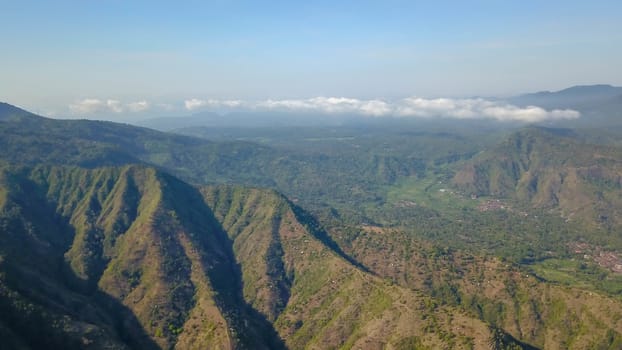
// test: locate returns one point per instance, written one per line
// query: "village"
(606, 259)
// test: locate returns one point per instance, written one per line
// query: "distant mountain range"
(599, 104)
(573, 97)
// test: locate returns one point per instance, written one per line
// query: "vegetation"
(363, 236)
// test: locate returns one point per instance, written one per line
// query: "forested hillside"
(431, 240)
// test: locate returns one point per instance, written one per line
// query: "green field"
(579, 274)
(431, 192)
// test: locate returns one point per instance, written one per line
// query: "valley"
(397, 235)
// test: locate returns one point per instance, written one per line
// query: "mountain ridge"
(154, 251)
(551, 169)
(127, 255)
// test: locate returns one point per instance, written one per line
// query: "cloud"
(478, 109)
(411, 107)
(475, 108)
(376, 108)
(228, 103)
(329, 105)
(94, 106)
(194, 103)
(139, 106)
(114, 106)
(87, 106)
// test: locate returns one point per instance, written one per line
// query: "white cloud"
(114, 106)
(329, 105)
(87, 106)
(94, 106)
(139, 106)
(376, 108)
(230, 103)
(194, 104)
(478, 109)
(411, 107)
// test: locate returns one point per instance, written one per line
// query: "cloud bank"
(94, 106)
(478, 109)
(411, 107)
(195, 104)
(474, 108)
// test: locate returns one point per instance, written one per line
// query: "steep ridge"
(551, 169)
(39, 310)
(136, 245)
(317, 299)
(129, 257)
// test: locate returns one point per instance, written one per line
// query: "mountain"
(11, 113)
(172, 123)
(131, 257)
(338, 173)
(318, 298)
(576, 97)
(526, 306)
(600, 105)
(551, 169)
(37, 140)
(102, 246)
(109, 255)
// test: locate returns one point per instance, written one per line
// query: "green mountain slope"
(134, 242)
(317, 299)
(132, 257)
(128, 256)
(349, 167)
(545, 315)
(551, 169)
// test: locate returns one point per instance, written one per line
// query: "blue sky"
(162, 53)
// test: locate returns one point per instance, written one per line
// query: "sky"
(104, 58)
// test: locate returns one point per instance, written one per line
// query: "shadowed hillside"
(132, 257)
(132, 241)
(316, 298)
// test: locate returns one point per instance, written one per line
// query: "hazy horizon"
(115, 60)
